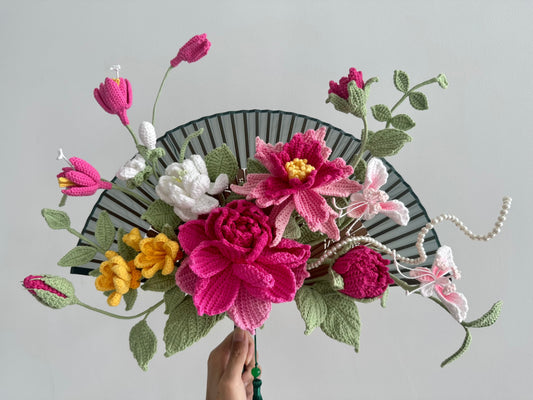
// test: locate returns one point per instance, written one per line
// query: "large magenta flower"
(341, 88)
(114, 96)
(231, 266)
(365, 273)
(193, 50)
(299, 177)
(82, 180)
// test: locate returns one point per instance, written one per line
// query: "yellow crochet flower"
(158, 253)
(117, 275)
(133, 239)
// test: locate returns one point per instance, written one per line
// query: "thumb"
(237, 357)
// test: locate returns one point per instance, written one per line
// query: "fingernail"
(238, 335)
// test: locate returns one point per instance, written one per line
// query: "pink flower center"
(298, 168)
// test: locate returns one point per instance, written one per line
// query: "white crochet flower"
(186, 187)
(147, 135)
(131, 168)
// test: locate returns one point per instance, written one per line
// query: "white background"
(469, 150)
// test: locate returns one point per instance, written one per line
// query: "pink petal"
(254, 275)
(330, 228)
(100, 101)
(80, 190)
(358, 206)
(312, 207)
(396, 211)
(80, 179)
(319, 136)
(216, 294)
(444, 262)
(455, 303)
(376, 174)
(85, 168)
(272, 191)
(341, 188)
(332, 171)
(191, 234)
(185, 278)
(207, 260)
(284, 287)
(248, 312)
(422, 274)
(263, 151)
(289, 253)
(279, 218)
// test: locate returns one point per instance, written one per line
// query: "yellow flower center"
(117, 80)
(64, 182)
(298, 168)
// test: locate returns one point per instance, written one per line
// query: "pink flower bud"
(52, 291)
(341, 88)
(114, 96)
(192, 51)
(82, 180)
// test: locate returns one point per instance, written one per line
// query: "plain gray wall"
(471, 148)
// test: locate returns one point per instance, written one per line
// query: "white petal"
(220, 184)
(376, 174)
(147, 135)
(444, 261)
(396, 211)
(199, 164)
(204, 205)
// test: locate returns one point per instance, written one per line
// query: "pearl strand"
(355, 240)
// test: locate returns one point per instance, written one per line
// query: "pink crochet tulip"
(435, 281)
(372, 201)
(193, 50)
(231, 266)
(341, 88)
(115, 97)
(365, 273)
(300, 186)
(82, 180)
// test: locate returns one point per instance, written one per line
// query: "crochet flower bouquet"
(224, 227)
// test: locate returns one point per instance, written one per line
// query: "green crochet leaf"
(312, 307)
(418, 100)
(173, 297)
(160, 213)
(253, 166)
(185, 327)
(308, 237)
(461, 351)
(385, 297)
(339, 103)
(56, 219)
(489, 318)
(402, 122)
(401, 81)
(79, 255)
(125, 251)
(292, 230)
(366, 301)
(342, 320)
(159, 282)
(360, 170)
(386, 142)
(105, 231)
(369, 83)
(129, 298)
(95, 273)
(336, 280)
(169, 232)
(143, 344)
(221, 161)
(381, 112)
(356, 99)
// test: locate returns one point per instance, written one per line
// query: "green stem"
(132, 135)
(147, 311)
(130, 193)
(362, 147)
(402, 284)
(406, 95)
(159, 92)
(80, 236)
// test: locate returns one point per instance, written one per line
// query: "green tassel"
(256, 371)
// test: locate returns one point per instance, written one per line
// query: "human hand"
(226, 379)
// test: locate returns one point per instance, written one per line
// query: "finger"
(250, 357)
(237, 357)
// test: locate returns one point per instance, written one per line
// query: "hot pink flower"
(114, 96)
(299, 177)
(341, 88)
(371, 201)
(193, 50)
(231, 266)
(365, 273)
(434, 281)
(82, 180)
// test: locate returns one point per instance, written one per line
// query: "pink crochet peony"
(341, 88)
(284, 194)
(232, 268)
(115, 97)
(192, 51)
(365, 273)
(82, 180)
